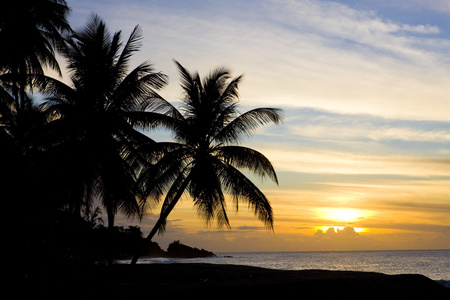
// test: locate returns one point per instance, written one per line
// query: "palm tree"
(206, 159)
(20, 153)
(22, 176)
(30, 31)
(93, 129)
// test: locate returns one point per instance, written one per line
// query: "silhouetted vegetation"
(79, 241)
(86, 241)
(84, 144)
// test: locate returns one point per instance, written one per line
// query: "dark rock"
(152, 249)
(176, 249)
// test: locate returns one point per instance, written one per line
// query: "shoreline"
(196, 279)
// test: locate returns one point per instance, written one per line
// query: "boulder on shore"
(176, 250)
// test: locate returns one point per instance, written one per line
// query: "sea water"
(435, 264)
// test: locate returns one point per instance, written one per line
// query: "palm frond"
(242, 189)
(178, 187)
(206, 192)
(53, 88)
(247, 123)
(248, 159)
(137, 89)
(213, 86)
(133, 44)
(190, 84)
(150, 120)
(230, 94)
(165, 162)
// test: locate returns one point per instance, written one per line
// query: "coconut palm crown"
(206, 159)
(93, 121)
(30, 32)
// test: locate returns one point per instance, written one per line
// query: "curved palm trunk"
(162, 218)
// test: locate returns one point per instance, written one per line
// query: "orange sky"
(367, 216)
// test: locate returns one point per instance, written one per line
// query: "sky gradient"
(363, 154)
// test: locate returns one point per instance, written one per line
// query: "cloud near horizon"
(335, 233)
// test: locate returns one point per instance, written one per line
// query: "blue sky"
(365, 89)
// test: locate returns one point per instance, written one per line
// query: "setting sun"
(347, 215)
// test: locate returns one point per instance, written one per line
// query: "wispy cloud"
(333, 126)
(338, 21)
(442, 6)
(374, 133)
(297, 53)
(330, 162)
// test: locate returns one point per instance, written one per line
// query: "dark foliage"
(84, 143)
(68, 239)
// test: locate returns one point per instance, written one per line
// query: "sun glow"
(347, 215)
(339, 218)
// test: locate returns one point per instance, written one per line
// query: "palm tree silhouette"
(30, 31)
(94, 121)
(206, 159)
(18, 152)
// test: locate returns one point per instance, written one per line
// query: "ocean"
(435, 264)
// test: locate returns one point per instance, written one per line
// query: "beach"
(213, 280)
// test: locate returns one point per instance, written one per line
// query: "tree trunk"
(110, 238)
(162, 217)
